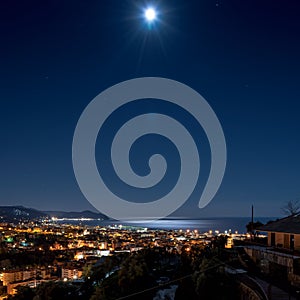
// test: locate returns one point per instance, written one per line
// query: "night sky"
(243, 57)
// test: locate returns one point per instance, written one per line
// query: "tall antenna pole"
(252, 219)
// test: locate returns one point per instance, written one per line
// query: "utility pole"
(252, 221)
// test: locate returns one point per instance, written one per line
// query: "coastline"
(232, 224)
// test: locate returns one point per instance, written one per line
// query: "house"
(281, 257)
(284, 233)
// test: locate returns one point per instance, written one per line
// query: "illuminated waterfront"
(203, 225)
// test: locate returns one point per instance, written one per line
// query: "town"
(110, 262)
(33, 253)
(43, 258)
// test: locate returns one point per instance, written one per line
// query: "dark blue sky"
(242, 56)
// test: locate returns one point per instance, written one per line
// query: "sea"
(222, 225)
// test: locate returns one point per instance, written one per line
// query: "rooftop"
(290, 224)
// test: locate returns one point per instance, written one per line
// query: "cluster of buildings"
(53, 252)
(33, 253)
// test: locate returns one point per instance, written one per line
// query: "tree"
(56, 290)
(253, 226)
(212, 282)
(99, 294)
(291, 207)
(23, 293)
(134, 274)
(87, 271)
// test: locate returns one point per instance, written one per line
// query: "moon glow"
(150, 14)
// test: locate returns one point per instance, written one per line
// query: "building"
(71, 273)
(284, 233)
(12, 287)
(281, 258)
(17, 275)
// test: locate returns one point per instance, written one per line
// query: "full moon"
(150, 14)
